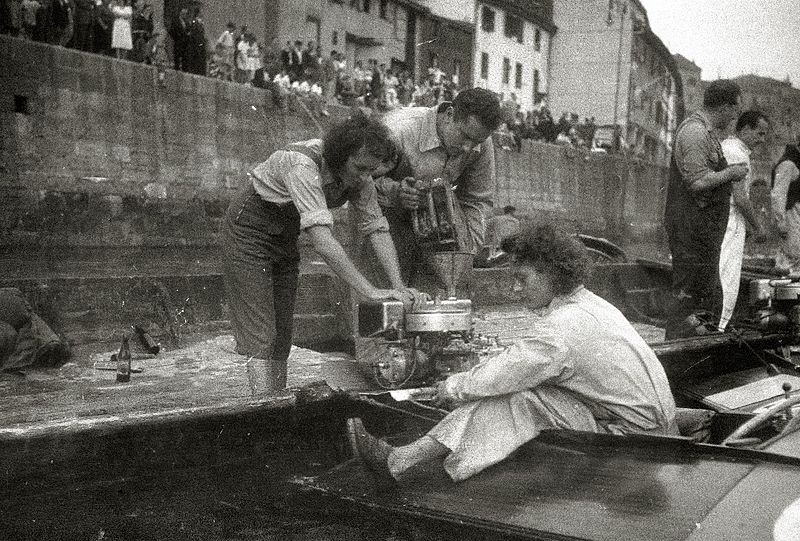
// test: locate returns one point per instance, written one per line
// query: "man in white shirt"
(751, 131)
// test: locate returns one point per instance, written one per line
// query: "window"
(506, 71)
(484, 66)
(366, 6)
(383, 10)
(514, 27)
(518, 76)
(335, 38)
(537, 40)
(487, 19)
(536, 85)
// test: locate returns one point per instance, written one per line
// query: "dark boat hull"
(278, 467)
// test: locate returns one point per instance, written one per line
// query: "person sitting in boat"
(291, 191)
(583, 367)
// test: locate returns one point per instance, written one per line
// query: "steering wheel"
(737, 438)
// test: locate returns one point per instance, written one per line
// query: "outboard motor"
(776, 304)
(420, 347)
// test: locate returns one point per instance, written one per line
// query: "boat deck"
(206, 373)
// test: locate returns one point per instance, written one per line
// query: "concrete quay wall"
(96, 152)
(100, 152)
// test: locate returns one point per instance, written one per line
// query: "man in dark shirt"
(697, 207)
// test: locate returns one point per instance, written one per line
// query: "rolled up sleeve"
(694, 150)
(304, 184)
(368, 213)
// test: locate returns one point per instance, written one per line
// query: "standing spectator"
(141, 29)
(286, 56)
(84, 23)
(310, 61)
(390, 89)
(406, 88)
(786, 207)
(243, 73)
(328, 76)
(104, 22)
(11, 17)
(179, 32)
(42, 29)
(30, 10)
(254, 62)
(225, 48)
(751, 131)
(377, 86)
(295, 68)
(61, 22)
(121, 39)
(696, 216)
(196, 44)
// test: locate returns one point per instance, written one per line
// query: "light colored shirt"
(583, 345)
(226, 40)
(736, 152)
(472, 174)
(289, 176)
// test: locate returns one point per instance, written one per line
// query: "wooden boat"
(279, 467)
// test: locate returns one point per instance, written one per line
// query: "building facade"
(653, 106)
(691, 76)
(446, 44)
(608, 64)
(385, 31)
(512, 50)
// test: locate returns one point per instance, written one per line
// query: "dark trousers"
(695, 240)
(259, 246)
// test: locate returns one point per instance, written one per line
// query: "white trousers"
(730, 264)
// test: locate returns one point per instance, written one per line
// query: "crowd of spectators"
(111, 27)
(301, 69)
(539, 125)
(125, 30)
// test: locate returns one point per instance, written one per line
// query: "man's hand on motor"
(736, 172)
(410, 197)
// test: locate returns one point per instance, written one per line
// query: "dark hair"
(721, 92)
(551, 251)
(750, 119)
(508, 209)
(348, 137)
(480, 103)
